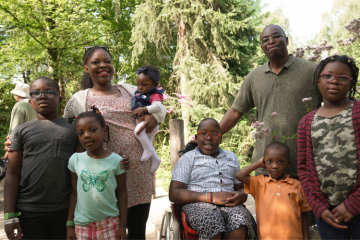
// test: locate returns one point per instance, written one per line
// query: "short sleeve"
(156, 97)
(304, 205)
(237, 164)
(255, 183)
(72, 161)
(16, 140)
(119, 170)
(182, 170)
(244, 100)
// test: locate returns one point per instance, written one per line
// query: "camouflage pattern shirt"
(335, 156)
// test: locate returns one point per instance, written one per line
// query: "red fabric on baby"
(156, 97)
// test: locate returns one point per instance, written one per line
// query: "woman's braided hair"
(94, 113)
(337, 58)
(86, 81)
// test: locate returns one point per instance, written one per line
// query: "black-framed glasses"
(47, 94)
(273, 37)
(106, 48)
(341, 79)
(212, 135)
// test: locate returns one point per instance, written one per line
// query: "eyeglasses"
(106, 48)
(47, 94)
(341, 79)
(273, 37)
(212, 135)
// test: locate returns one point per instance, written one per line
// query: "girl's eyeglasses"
(47, 94)
(341, 79)
(106, 48)
(212, 135)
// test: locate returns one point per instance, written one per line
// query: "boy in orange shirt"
(280, 202)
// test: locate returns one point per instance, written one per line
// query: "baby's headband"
(147, 71)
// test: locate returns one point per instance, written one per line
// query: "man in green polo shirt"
(277, 86)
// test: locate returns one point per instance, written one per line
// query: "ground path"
(159, 205)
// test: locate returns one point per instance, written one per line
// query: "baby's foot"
(146, 155)
(155, 163)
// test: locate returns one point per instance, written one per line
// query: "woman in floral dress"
(114, 103)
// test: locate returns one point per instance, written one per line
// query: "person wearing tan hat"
(22, 111)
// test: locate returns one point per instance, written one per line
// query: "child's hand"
(10, 231)
(140, 111)
(121, 234)
(341, 213)
(330, 219)
(70, 234)
(221, 198)
(125, 163)
(261, 162)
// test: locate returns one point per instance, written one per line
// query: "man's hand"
(70, 234)
(150, 123)
(140, 111)
(6, 148)
(125, 162)
(121, 233)
(341, 213)
(330, 219)
(10, 231)
(222, 198)
(235, 199)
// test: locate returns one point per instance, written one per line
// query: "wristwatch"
(10, 215)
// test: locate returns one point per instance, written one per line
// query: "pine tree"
(212, 40)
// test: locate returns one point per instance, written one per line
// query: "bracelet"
(10, 215)
(209, 197)
(70, 223)
(11, 221)
(207, 200)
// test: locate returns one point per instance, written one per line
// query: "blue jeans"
(329, 232)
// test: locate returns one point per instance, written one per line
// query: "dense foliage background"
(204, 49)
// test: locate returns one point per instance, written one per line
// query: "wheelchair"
(174, 225)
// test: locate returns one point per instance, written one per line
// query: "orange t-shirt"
(278, 207)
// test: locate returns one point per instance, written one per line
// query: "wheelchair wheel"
(166, 229)
(253, 231)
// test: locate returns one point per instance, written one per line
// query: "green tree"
(204, 40)
(333, 27)
(48, 37)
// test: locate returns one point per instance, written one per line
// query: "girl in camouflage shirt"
(329, 150)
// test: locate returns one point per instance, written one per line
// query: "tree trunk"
(183, 45)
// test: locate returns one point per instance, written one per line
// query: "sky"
(304, 15)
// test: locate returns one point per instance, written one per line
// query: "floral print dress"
(116, 109)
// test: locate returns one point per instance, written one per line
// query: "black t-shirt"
(45, 180)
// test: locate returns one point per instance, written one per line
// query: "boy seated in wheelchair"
(204, 182)
(280, 202)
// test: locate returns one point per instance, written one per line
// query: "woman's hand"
(236, 199)
(70, 233)
(222, 198)
(341, 213)
(10, 231)
(6, 148)
(125, 162)
(150, 123)
(140, 111)
(121, 234)
(330, 219)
